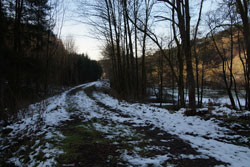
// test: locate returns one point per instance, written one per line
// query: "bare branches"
(198, 21)
(163, 18)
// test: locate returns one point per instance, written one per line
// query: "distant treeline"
(33, 61)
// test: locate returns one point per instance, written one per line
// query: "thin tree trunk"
(136, 52)
(236, 93)
(197, 76)
(181, 98)
(202, 83)
(143, 82)
(226, 84)
(161, 78)
(113, 59)
(224, 73)
(47, 64)
(243, 63)
(243, 9)
(17, 39)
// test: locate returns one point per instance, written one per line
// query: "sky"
(82, 33)
(84, 42)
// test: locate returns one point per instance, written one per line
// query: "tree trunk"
(197, 76)
(243, 11)
(187, 48)
(180, 80)
(136, 52)
(202, 83)
(227, 87)
(113, 59)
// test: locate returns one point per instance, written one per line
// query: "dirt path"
(124, 143)
(77, 128)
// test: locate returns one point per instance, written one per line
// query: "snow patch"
(204, 135)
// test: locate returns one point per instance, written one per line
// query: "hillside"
(208, 57)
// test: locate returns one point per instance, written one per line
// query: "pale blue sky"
(85, 43)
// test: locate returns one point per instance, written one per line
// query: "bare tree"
(243, 10)
(181, 10)
(69, 44)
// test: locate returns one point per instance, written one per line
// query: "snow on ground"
(115, 128)
(42, 118)
(224, 111)
(209, 96)
(39, 124)
(176, 123)
(206, 136)
(143, 162)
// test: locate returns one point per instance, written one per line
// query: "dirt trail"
(106, 148)
(77, 128)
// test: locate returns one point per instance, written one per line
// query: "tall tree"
(182, 11)
(243, 10)
(148, 8)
